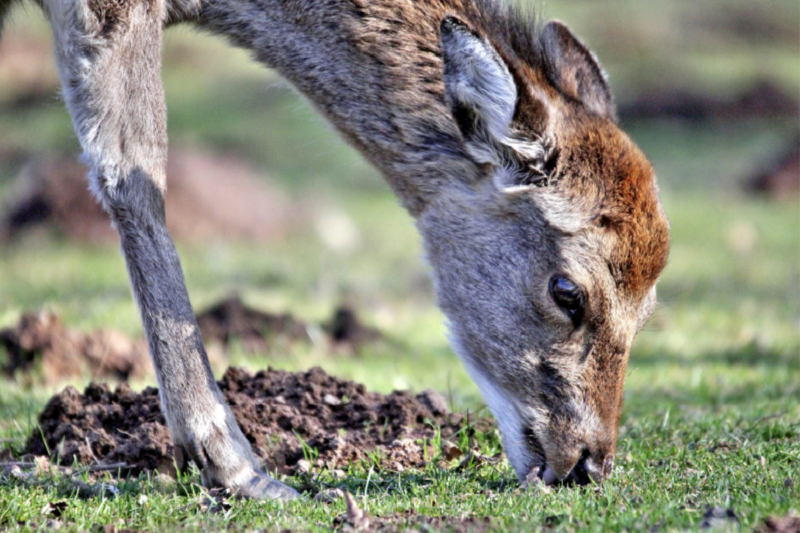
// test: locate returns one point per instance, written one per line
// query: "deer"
(539, 216)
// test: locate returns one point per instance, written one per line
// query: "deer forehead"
(609, 190)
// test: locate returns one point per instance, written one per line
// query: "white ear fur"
(560, 212)
(479, 88)
(508, 178)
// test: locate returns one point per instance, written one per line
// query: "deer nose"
(588, 468)
(591, 468)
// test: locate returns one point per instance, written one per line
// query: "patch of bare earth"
(280, 413)
(40, 341)
(211, 196)
(762, 99)
(780, 524)
(231, 320)
(779, 179)
(40, 344)
(355, 519)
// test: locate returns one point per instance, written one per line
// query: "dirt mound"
(779, 179)
(346, 331)
(760, 100)
(295, 421)
(210, 196)
(231, 320)
(40, 340)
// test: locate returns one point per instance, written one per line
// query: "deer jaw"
(546, 266)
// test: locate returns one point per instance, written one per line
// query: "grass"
(712, 406)
(673, 465)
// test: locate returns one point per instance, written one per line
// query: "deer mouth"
(536, 475)
(546, 474)
(542, 472)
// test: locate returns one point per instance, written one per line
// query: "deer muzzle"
(579, 468)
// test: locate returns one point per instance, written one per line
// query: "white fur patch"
(504, 411)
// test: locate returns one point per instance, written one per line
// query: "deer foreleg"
(109, 61)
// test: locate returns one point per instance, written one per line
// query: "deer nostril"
(589, 468)
(581, 471)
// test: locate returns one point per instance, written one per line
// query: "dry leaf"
(355, 516)
(451, 451)
(329, 496)
(786, 524)
(42, 466)
(474, 459)
(534, 482)
(55, 509)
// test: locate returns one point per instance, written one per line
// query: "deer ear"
(479, 89)
(575, 71)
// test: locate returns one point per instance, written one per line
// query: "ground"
(710, 433)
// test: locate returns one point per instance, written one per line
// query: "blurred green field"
(712, 413)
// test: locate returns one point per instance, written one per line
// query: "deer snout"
(580, 467)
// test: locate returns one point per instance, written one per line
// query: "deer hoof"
(263, 487)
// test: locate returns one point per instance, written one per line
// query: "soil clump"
(296, 423)
(346, 331)
(231, 320)
(779, 179)
(762, 99)
(211, 197)
(39, 341)
(40, 344)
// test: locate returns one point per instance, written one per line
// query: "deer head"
(546, 265)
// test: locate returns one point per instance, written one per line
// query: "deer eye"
(569, 297)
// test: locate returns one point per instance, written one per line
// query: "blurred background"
(275, 216)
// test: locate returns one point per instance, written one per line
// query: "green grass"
(712, 405)
(673, 465)
(712, 413)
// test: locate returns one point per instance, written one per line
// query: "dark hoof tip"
(263, 487)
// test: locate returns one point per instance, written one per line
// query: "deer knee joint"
(133, 200)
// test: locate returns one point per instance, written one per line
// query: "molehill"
(296, 422)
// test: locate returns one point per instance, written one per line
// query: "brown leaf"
(451, 451)
(330, 495)
(355, 516)
(55, 509)
(42, 466)
(534, 482)
(785, 524)
(14, 470)
(474, 459)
